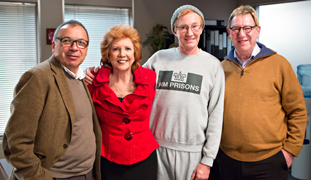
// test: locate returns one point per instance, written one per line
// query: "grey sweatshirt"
(187, 111)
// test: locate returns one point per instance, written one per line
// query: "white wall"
(285, 29)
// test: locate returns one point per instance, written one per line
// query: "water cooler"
(301, 167)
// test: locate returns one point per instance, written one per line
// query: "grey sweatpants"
(176, 165)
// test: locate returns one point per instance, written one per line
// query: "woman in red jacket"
(122, 92)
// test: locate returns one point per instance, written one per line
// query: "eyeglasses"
(66, 41)
(246, 29)
(185, 28)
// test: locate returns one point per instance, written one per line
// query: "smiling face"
(121, 54)
(70, 56)
(244, 43)
(189, 40)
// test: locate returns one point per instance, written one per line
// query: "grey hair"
(73, 23)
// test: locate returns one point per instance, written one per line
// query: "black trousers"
(272, 168)
(146, 169)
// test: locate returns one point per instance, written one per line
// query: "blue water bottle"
(304, 77)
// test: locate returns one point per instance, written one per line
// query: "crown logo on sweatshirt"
(179, 76)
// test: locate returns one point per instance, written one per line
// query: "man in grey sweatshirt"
(187, 112)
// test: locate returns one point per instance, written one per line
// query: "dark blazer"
(42, 118)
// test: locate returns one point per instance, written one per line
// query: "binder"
(208, 41)
(220, 55)
(224, 34)
(216, 48)
(204, 40)
(212, 42)
(229, 45)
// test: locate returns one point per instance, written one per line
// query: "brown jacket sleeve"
(20, 133)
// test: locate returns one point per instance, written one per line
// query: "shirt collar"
(79, 76)
(104, 73)
(254, 53)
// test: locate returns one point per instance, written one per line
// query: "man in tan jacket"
(53, 131)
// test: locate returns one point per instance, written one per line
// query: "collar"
(79, 76)
(256, 51)
(104, 73)
(263, 52)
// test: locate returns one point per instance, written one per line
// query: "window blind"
(17, 48)
(97, 20)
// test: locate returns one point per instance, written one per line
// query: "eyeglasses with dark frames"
(66, 41)
(246, 29)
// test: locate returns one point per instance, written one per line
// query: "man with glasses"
(186, 116)
(53, 131)
(264, 114)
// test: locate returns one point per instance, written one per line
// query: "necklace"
(117, 87)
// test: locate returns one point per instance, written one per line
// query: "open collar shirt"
(254, 53)
(80, 75)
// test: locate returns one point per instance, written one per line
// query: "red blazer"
(126, 136)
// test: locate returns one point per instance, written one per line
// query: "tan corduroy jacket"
(40, 127)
